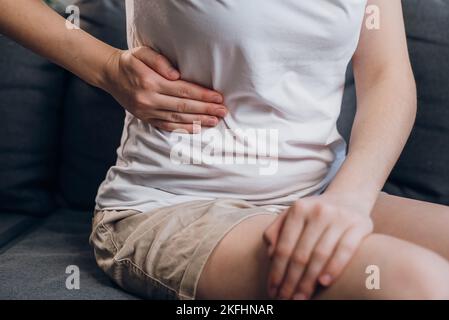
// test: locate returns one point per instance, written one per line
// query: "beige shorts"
(160, 254)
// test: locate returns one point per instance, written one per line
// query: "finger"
(186, 118)
(271, 234)
(184, 89)
(301, 256)
(320, 256)
(345, 250)
(288, 237)
(172, 126)
(180, 105)
(157, 62)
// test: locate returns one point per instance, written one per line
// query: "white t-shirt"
(281, 68)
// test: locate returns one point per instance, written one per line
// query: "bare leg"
(238, 267)
(420, 222)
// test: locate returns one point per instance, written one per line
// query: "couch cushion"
(31, 95)
(92, 119)
(35, 267)
(12, 225)
(422, 171)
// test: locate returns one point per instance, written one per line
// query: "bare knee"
(404, 271)
(415, 273)
(426, 276)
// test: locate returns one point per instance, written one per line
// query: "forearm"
(34, 25)
(385, 115)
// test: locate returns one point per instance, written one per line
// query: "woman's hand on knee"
(144, 83)
(312, 242)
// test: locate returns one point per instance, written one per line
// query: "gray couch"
(58, 137)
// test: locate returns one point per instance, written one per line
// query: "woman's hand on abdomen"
(145, 84)
(141, 80)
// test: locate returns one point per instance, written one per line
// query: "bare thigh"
(238, 267)
(420, 222)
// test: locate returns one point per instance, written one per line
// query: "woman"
(171, 222)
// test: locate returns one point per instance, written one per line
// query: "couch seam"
(111, 237)
(127, 260)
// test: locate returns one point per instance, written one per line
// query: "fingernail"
(217, 99)
(212, 121)
(300, 296)
(173, 73)
(222, 112)
(325, 280)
